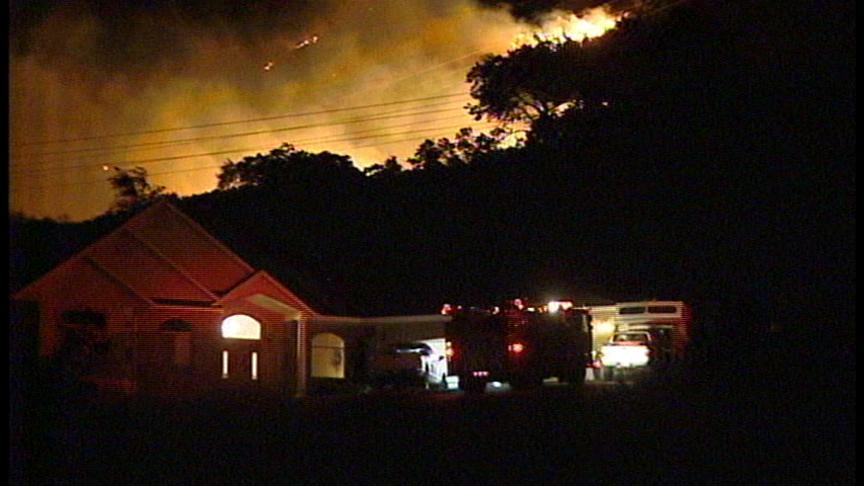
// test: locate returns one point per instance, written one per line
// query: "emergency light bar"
(551, 307)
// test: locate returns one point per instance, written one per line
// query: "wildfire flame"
(587, 24)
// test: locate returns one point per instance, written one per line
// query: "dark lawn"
(728, 432)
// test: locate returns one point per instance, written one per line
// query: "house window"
(225, 363)
(662, 309)
(84, 341)
(328, 356)
(254, 365)
(241, 326)
(631, 310)
(179, 333)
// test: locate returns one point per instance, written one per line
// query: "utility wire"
(195, 169)
(379, 116)
(140, 162)
(234, 122)
(315, 140)
(99, 158)
(290, 115)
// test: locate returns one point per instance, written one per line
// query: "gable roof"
(261, 280)
(115, 279)
(188, 246)
(143, 269)
(161, 254)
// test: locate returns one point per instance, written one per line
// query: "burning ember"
(306, 42)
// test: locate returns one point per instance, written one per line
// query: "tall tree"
(459, 152)
(132, 189)
(287, 166)
(508, 87)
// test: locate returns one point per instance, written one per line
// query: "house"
(167, 309)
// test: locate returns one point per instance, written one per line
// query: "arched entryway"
(241, 349)
(328, 356)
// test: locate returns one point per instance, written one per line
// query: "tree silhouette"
(532, 83)
(459, 152)
(390, 167)
(132, 189)
(286, 166)
(720, 156)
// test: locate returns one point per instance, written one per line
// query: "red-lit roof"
(162, 255)
(262, 281)
(142, 269)
(190, 248)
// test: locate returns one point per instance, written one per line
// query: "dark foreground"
(651, 433)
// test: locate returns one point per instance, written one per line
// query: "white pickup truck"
(407, 365)
(630, 350)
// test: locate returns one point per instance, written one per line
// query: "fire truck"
(518, 343)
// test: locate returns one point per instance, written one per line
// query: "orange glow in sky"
(179, 99)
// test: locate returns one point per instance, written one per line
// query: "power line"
(98, 158)
(438, 66)
(195, 169)
(317, 140)
(289, 115)
(160, 143)
(138, 162)
(234, 122)
(176, 142)
(335, 110)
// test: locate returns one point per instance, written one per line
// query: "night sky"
(82, 71)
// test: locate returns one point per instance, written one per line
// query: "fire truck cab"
(518, 343)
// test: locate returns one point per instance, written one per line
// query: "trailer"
(666, 325)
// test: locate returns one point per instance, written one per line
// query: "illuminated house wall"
(162, 286)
